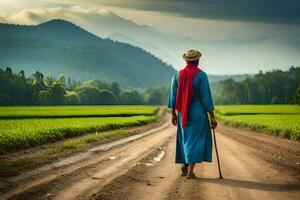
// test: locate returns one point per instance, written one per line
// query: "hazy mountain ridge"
(220, 51)
(59, 46)
(236, 77)
(150, 47)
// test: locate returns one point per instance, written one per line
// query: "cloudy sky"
(235, 36)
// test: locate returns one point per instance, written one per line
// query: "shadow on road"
(251, 184)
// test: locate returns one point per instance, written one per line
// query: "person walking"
(190, 99)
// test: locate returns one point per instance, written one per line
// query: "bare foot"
(184, 170)
(191, 175)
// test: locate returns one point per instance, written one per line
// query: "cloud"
(267, 11)
(271, 11)
(3, 18)
(38, 15)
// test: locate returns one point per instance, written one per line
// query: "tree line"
(273, 87)
(37, 89)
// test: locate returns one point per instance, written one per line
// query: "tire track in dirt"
(246, 176)
(132, 153)
(145, 181)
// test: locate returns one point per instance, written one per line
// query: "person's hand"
(174, 119)
(214, 123)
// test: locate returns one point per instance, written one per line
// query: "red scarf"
(185, 90)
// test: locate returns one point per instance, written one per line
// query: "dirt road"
(254, 166)
(246, 175)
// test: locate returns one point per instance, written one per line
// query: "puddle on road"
(157, 158)
(112, 157)
(148, 164)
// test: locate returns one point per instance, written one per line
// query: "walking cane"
(215, 142)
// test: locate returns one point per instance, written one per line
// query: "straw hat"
(191, 55)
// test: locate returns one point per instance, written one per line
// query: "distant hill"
(151, 47)
(236, 77)
(59, 46)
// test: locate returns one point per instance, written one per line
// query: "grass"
(14, 166)
(258, 109)
(16, 134)
(91, 138)
(17, 112)
(279, 120)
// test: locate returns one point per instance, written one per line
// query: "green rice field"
(258, 109)
(280, 120)
(74, 111)
(31, 130)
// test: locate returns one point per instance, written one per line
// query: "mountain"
(153, 48)
(219, 52)
(59, 46)
(167, 46)
(235, 77)
(227, 47)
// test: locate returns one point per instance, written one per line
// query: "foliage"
(131, 97)
(40, 90)
(72, 98)
(274, 87)
(156, 95)
(296, 97)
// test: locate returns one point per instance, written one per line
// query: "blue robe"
(194, 142)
